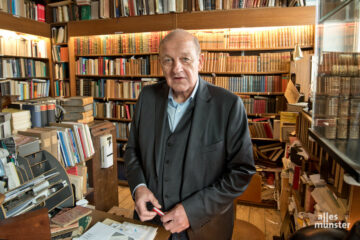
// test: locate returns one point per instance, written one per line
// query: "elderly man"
(189, 151)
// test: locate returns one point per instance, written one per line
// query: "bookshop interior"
(71, 72)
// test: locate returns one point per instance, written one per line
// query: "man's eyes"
(186, 59)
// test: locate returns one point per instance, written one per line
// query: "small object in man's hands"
(150, 207)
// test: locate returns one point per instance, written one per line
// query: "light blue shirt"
(176, 110)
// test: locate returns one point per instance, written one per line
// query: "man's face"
(180, 63)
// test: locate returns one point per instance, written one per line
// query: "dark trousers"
(179, 236)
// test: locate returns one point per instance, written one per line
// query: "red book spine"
(82, 143)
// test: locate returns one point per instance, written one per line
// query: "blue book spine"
(63, 145)
(62, 150)
(76, 153)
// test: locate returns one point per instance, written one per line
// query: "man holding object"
(189, 151)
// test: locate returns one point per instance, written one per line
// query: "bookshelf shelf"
(116, 55)
(34, 58)
(269, 115)
(261, 93)
(120, 159)
(115, 99)
(245, 73)
(113, 119)
(24, 25)
(255, 49)
(26, 78)
(117, 76)
(264, 139)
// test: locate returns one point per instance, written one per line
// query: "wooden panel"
(31, 225)
(104, 179)
(149, 23)
(24, 25)
(249, 17)
(72, 66)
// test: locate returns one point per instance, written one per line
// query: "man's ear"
(201, 61)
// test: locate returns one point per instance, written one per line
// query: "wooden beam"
(247, 17)
(148, 23)
(24, 25)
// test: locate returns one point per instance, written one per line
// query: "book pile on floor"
(70, 222)
(78, 109)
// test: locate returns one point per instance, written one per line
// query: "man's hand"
(142, 196)
(176, 220)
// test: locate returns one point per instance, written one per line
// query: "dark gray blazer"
(218, 163)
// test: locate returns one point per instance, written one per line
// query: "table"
(99, 216)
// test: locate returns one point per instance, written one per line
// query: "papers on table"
(112, 230)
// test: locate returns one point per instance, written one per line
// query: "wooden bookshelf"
(236, 18)
(113, 119)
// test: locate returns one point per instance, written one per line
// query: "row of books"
(62, 88)
(265, 62)
(260, 129)
(259, 105)
(75, 143)
(35, 88)
(42, 111)
(334, 106)
(118, 88)
(24, 8)
(276, 37)
(147, 42)
(335, 85)
(113, 109)
(340, 64)
(123, 8)
(20, 67)
(253, 83)
(60, 54)
(122, 130)
(58, 34)
(61, 71)
(20, 46)
(117, 66)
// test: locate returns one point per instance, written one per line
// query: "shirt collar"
(171, 96)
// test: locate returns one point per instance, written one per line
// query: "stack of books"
(78, 109)
(20, 119)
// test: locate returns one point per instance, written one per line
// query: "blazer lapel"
(197, 125)
(160, 118)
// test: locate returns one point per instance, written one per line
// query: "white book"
(12, 175)
(89, 139)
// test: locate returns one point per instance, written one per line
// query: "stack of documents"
(109, 229)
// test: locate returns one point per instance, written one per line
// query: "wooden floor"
(267, 220)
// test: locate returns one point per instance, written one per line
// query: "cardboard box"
(53, 139)
(45, 138)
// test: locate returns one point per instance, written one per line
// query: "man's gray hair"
(177, 31)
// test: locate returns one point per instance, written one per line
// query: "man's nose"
(177, 66)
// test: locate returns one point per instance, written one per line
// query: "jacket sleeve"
(134, 170)
(238, 170)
